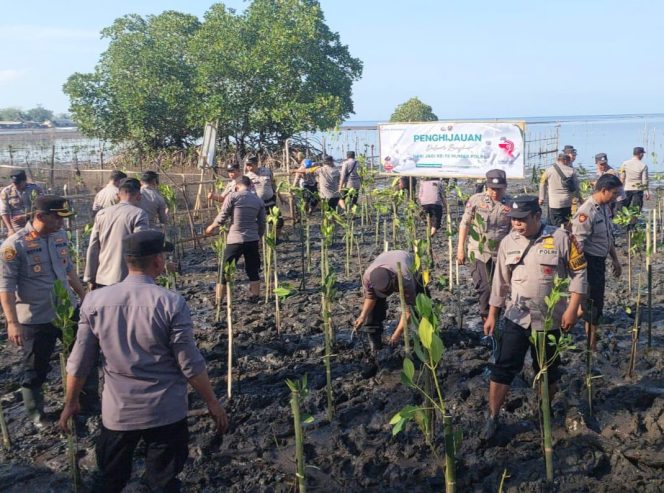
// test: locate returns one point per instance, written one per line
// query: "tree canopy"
(413, 110)
(263, 75)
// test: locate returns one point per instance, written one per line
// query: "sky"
(467, 59)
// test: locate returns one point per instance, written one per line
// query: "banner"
(451, 149)
(208, 148)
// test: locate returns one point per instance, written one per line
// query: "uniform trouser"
(166, 454)
(559, 216)
(633, 197)
(512, 344)
(311, 195)
(435, 212)
(481, 274)
(350, 196)
(38, 345)
(252, 258)
(596, 271)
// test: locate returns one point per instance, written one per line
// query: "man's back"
(154, 205)
(552, 185)
(106, 197)
(635, 174)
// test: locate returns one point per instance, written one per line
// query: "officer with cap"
(571, 152)
(30, 263)
(560, 184)
(104, 262)
(145, 335)
(603, 168)
(108, 195)
(591, 226)
(634, 175)
(16, 201)
(486, 215)
(380, 281)
(151, 200)
(264, 185)
(529, 258)
(349, 181)
(233, 170)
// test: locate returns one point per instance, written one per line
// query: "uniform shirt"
(328, 181)
(105, 262)
(17, 204)
(154, 205)
(228, 189)
(591, 227)
(431, 193)
(634, 175)
(495, 223)
(389, 260)
(106, 197)
(29, 266)
(350, 178)
(246, 213)
(265, 176)
(146, 338)
(524, 275)
(614, 172)
(552, 185)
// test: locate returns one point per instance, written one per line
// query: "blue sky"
(480, 59)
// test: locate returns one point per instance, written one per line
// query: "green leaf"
(306, 419)
(425, 331)
(437, 349)
(408, 369)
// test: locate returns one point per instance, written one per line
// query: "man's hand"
(541, 201)
(210, 229)
(71, 409)
(219, 416)
(461, 256)
(359, 322)
(489, 325)
(210, 195)
(647, 195)
(15, 333)
(569, 319)
(91, 287)
(617, 268)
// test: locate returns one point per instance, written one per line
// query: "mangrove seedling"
(328, 292)
(299, 391)
(229, 277)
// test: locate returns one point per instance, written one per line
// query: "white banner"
(208, 148)
(451, 149)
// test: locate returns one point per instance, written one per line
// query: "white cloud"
(32, 33)
(8, 75)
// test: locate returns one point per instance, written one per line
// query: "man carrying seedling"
(108, 196)
(591, 226)
(152, 202)
(529, 259)
(30, 263)
(560, 184)
(233, 170)
(104, 260)
(486, 215)
(264, 186)
(634, 174)
(246, 214)
(16, 201)
(145, 335)
(380, 281)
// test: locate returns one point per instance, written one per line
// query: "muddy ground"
(619, 448)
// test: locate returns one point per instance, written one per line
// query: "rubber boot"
(33, 400)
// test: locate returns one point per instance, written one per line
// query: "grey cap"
(639, 150)
(496, 178)
(523, 205)
(601, 158)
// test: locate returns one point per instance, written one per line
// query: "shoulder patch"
(583, 218)
(577, 261)
(8, 254)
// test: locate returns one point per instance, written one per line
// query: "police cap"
(496, 178)
(52, 204)
(601, 158)
(523, 205)
(145, 243)
(18, 175)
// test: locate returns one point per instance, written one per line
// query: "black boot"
(33, 400)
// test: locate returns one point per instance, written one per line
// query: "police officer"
(591, 226)
(603, 168)
(529, 258)
(104, 262)
(246, 214)
(30, 263)
(145, 335)
(264, 186)
(380, 281)
(233, 170)
(108, 195)
(432, 199)
(328, 180)
(350, 181)
(634, 175)
(560, 184)
(16, 201)
(151, 200)
(492, 224)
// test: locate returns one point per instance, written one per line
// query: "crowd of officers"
(145, 332)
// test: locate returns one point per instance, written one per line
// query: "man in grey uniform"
(560, 184)
(529, 259)
(104, 262)
(152, 202)
(265, 187)
(246, 214)
(30, 263)
(486, 213)
(591, 226)
(234, 173)
(634, 175)
(350, 181)
(108, 195)
(16, 201)
(145, 335)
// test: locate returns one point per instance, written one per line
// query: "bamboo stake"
(450, 468)
(404, 320)
(649, 245)
(546, 409)
(6, 441)
(229, 322)
(72, 446)
(299, 441)
(635, 332)
(449, 248)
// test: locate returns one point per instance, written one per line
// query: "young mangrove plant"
(636, 331)
(229, 277)
(64, 320)
(541, 339)
(628, 217)
(328, 292)
(271, 242)
(299, 391)
(428, 347)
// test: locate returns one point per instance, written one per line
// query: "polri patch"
(583, 218)
(9, 254)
